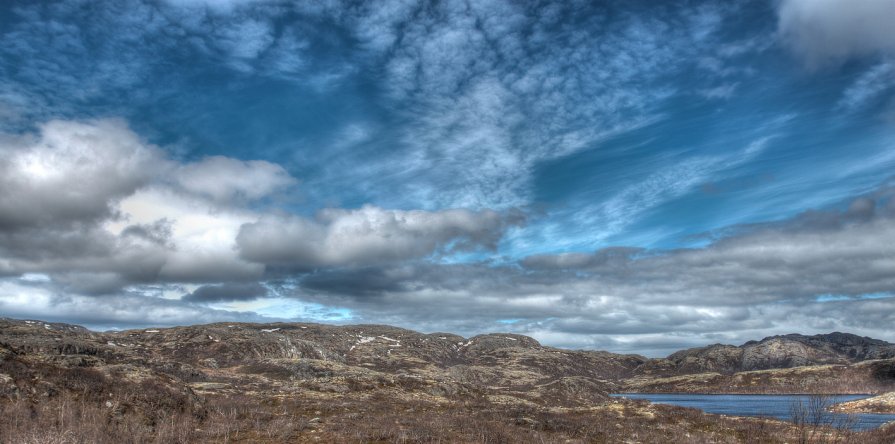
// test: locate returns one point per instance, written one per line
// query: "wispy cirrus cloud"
(870, 87)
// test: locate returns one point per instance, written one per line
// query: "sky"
(632, 176)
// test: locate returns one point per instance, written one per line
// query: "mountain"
(233, 357)
(774, 352)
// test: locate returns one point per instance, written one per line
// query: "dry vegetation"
(310, 383)
(74, 418)
(884, 403)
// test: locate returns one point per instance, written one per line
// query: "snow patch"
(150, 331)
(270, 330)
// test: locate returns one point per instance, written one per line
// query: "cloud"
(869, 87)
(97, 208)
(31, 300)
(226, 293)
(830, 30)
(603, 258)
(72, 172)
(486, 96)
(369, 235)
(758, 280)
(217, 5)
(226, 179)
(588, 222)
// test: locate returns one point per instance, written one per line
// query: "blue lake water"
(773, 406)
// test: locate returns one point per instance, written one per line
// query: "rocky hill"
(775, 352)
(238, 382)
(235, 357)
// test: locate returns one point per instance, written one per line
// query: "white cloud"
(96, 208)
(202, 235)
(368, 235)
(73, 171)
(226, 179)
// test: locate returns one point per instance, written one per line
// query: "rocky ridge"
(774, 352)
(288, 358)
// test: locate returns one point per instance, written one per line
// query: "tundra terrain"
(294, 382)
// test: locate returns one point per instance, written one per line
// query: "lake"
(775, 406)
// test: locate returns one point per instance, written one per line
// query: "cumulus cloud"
(830, 30)
(72, 172)
(98, 208)
(369, 235)
(225, 179)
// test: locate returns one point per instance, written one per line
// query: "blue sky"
(407, 162)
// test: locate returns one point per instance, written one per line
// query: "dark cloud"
(606, 257)
(367, 281)
(227, 293)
